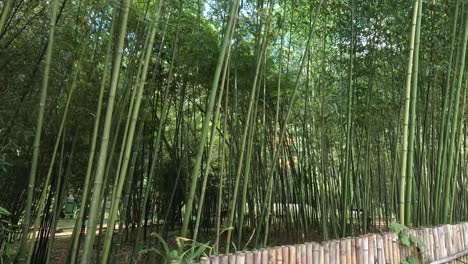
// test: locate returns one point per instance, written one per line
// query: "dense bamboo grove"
(237, 124)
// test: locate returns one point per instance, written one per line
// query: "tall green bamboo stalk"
(404, 154)
(452, 147)
(77, 229)
(347, 181)
(441, 145)
(4, 15)
(37, 137)
(98, 181)
(206, 122)
(128, 145)
(412, 125)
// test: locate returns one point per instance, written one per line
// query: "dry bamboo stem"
(436, 243)
(232, 258)
(359, 256)
(337, 252)
(240, 258)
(292, 254)
(348, 253)
(264, 256)
(380, 250)
(326, 252)
(353, 251)
(315, 253)
(395, 250)
(204, 260)
(451, 258)
(365, 249)
(214, 259)
(448, 240)
(298, 254)
(285, 255)
(331, 252)
(272, 256)
(279, 254)
(321, 254)
(303, 254)
(386, 248)
(224, 259)
(257, 257)
(249, 258)
(372, 249)
(343, 251)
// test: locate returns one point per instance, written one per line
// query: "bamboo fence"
(443, 244)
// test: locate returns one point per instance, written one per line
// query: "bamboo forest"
(147, 131)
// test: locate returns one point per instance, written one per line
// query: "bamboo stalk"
(315, 253)
(298, 254)
(390, 248)
(430, 242)
(343, 249)
(359, 251)
(303, 248)
(337, 252)
(435, 236)
(354, 257)
(215, 259)
(249, 258)
(321, 254)
(204, 260)
(264, 256)
(331, 252)
(441, 237)
(232, 258)
(279, 254)
(465, 237)
(451, 258)
(395, 249)
(386, 248)
(425, 239)
(224, 259)
(285, 254)
(365, 249)
(257, 256)
(326, 252)
(310, 253)
(380, 249)
(292, 254)
(448, 233)
(372, 248)
(240, 258)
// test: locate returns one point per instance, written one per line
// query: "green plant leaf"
(417, 241)
(4, 211)
(397, 227)
(173, 255)
(201, 248)
(405, 241)
(412, 260)
(163, 242)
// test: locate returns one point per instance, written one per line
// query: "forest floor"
(65, 229)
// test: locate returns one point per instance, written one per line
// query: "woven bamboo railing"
(445, 244)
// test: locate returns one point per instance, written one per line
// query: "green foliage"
(6, 236)
(415, 244)
(410, 260)
(193, 249)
